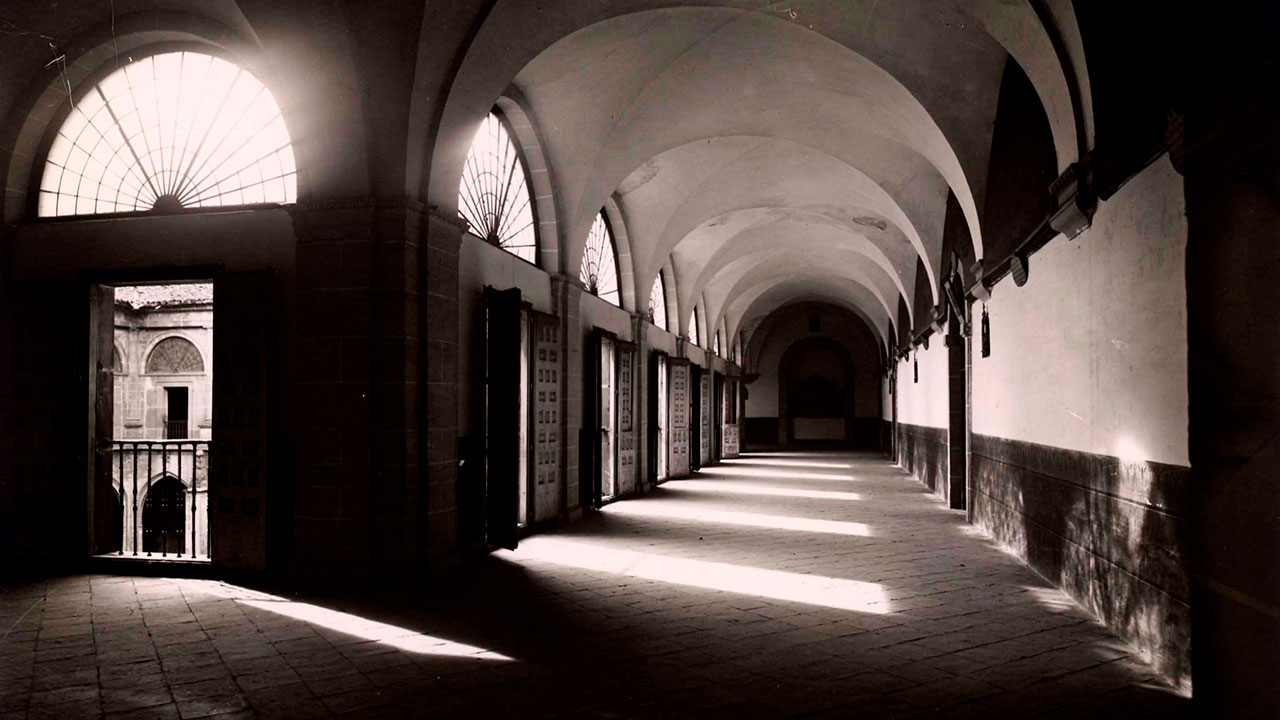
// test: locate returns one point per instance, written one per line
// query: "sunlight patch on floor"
(740, 471)
(675, 510)
(740, 488)
(835, 593)
(396, 637)
(756, 460)
(336, 620)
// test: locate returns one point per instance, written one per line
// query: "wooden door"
(101, 499)
(678, 382)
(502, 418)
(244, 347)
(546, 372)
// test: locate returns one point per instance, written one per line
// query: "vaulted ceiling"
(767, 153)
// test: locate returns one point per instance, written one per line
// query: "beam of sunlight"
(1050, 597)
(737, 488)
(740, 471)
(776, 462)
(668, 510)
(396, 637)
(354, 625)
(836, 593)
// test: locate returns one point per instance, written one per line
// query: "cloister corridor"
(775, 585)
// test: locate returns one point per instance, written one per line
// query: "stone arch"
(668, 274)
(622, 253)
(800, 398)
(523, 125)
(164, 515)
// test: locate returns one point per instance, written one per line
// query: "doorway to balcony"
(151, 357)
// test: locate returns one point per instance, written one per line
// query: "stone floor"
(772, 586)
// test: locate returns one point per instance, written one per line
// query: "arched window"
(716, 349)
(599, 262)
(175, 356)
(166, 132)
(494, 195)
(693, 328)
(658, 303)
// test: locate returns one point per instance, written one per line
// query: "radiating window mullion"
(185, 159)
(200, 176)
(142, 130)
(230, 130)
(189, 171)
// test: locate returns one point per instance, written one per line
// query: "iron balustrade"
(144, 465)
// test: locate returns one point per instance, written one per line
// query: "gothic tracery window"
(599, 262)
(166, 132)
(173, 356)
(658, 303)
(494, 195)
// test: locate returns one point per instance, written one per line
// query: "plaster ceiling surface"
(798, 283)
(606, 108)
(801, 230)
(765, 309)
(807, 253)
(692, 199)
(762, 354)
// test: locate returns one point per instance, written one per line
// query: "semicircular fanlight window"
(174, 355)
(494, 195)
(658, 303)
(716, 349)
(599, 264)
(166, 132)
(693, 328)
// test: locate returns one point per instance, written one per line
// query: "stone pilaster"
(566, 294)
(957, 406)
(358, 398)
(639, 336)
(440, 333)
(1232, 155)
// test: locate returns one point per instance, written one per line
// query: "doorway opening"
(175, 423)
(151, 350)
(526, 409)
(608, 418)
(661, 419)
(164, 522)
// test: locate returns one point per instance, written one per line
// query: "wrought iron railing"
(175, 430)
(162, 491)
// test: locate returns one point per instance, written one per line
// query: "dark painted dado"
(1113, 534)
(865, 433)
(922, 451)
